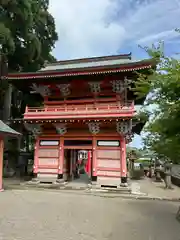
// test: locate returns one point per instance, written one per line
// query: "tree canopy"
(27, 33)
(27, 37)
(163, 86)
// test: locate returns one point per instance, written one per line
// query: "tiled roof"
(5, 129)
(87, 66)
(91, 64)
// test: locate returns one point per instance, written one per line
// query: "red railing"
(82, 108)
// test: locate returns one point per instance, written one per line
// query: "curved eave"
(85, 71)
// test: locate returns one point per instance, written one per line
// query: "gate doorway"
(77, 161)
(77, 165)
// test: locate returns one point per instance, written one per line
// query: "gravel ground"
(45, 215)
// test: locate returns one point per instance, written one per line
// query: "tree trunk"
(7, 103)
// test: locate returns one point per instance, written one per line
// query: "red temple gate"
(86, 104)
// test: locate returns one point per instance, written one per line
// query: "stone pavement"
(45, 215)
(150, 188)
(143, 189)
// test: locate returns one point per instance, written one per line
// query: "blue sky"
(89, 28)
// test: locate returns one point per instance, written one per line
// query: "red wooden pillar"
(123, 161)
(1, 163)
(88, 164)
(61, 158)
(36, 157)
(94, 157)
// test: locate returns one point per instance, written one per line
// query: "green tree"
(163, 128)
(27, 33)
(27, 37)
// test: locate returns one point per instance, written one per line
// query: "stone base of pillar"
(60, 176)
(124, 182)
(60, 179)
(35, 178)
(94, 179)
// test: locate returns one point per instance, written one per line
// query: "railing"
(82, 108)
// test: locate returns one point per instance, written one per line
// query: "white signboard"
(104, 143)
(49, 143)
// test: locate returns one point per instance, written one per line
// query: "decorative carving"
(127, 82)
(64, 89)
(95, 87)
(124, 127)
(41, 89)
(128, 137)
(118, 86)
(34, 128)
(61, 128)
(94, 127)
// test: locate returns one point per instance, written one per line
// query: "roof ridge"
(91, 59)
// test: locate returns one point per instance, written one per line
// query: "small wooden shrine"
(5, 130)
(82, 104)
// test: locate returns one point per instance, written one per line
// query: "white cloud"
(101, 27)
(153, 20)
(83, 29)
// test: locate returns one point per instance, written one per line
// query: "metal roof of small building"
(6, 130)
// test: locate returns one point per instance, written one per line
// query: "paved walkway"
(154, 189)
(45, 215)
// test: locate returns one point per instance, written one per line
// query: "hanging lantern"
(82, 154)
(61, 128)
(34, 128)
(43, 90)
(94, 127)
(64, 89)
(95, 87)
(124, 127)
